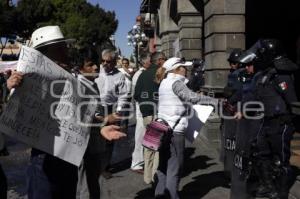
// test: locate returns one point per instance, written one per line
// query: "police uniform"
(229, 126)
(276, 91)
(247, 129)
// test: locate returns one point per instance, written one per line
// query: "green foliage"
(7, 15)
(90, 25)
(32, 14)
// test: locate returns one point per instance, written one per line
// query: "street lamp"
(136, 38)
(113, 40)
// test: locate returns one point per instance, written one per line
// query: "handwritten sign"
(51, 108)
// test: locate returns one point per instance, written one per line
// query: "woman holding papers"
(173, 103)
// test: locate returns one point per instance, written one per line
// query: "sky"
(126, 12)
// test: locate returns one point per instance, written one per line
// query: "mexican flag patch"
(283, 86)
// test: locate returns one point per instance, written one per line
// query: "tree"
(32, 14)
(7, 26)
(90, 25)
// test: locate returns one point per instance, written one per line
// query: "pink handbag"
(156, 132)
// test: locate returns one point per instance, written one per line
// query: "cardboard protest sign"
(200, 114)
(8, 65)
(50, 109)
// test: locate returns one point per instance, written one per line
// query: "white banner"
(50, 109)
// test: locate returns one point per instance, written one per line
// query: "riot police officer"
(248, 124)
(228, 125)
(196, 80)
(275, 89)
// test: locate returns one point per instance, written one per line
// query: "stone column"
(224, 24)
(190, 30)
(168, 28)
(167, 40)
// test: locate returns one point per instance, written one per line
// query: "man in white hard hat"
(50, 177)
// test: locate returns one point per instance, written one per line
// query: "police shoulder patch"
(283, 86)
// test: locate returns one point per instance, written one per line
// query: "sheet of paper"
(198, 117)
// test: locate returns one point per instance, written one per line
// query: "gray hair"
(155, 56)
(110, 52)
(145, 56)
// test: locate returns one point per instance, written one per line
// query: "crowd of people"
(256, 120)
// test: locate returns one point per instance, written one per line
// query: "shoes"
(107, 174)
(266, 191)
(139, 171)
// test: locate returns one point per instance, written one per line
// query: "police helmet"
(270, 49)
(234, 55)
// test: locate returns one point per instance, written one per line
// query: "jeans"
(3, 184)
(171, 157)
(49, 177)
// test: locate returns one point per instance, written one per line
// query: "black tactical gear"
(247, 130)
(196, 80)
(234, 55)
(276, 91)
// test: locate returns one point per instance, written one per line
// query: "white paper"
(27, 116)
(199, 115)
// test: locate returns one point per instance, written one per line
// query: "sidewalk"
(203, 177)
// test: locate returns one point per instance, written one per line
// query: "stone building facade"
(210, 29)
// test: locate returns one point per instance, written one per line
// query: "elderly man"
(50, 177)
(114, 96)
(146, 94)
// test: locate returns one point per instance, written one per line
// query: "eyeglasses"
(125, 63)
(107, 61)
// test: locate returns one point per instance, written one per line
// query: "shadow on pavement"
(202, 184)
(121, 166)
(194, 164)
(145, 194)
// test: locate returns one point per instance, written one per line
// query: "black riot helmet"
(269, 50)
(234, 55)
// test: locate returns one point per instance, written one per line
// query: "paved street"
(203, 176)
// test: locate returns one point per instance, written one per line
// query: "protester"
(114, 96)
(49, 176)
(145, 94)
(3, 150)
(137, 162)
(125, 68)
(89, 182)
(174, 98)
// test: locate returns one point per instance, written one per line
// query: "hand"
(112, 118)
(14, 80)
(112, 132)
(238, 115)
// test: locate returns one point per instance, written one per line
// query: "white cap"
(175, 62)
(47, 35)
